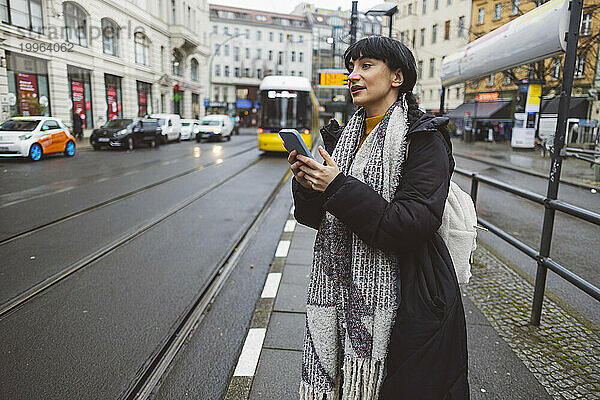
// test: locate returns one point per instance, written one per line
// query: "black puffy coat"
(427, 356)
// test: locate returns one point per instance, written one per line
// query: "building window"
(515, 7)
(217, 50)
(259, 54)
(259, 73)
(301, 57)
(281, 38)
(162, 58)
(259, 35)
(142, 49)
(300, 73)
(217, 70)
(225, 30)
(226, 50)
(556, 68)
(194, 69)
(491, 80)
(431, 67)
(25, 14)
(293, 73)
(447, 30)
(580, 66)
(226, 71)
(481, 16)
(247, 72)
(424, 7)
(410, 10)
(248, 34)
(434, 33)
(236, 31)
(270, 55)
(75, 24)
(173, 12)
(457, 93)
(280, 58)
(270, 36)
(177, 63)
(27, 85)
(247, 52)
(114, 99)
(586, 24)
(189, 17)
(449, 2)
(498, 11)
(422, 37)
(420, 69)
(236, 53)
(300, 39)
(461, 26)
(236, 72)
(290, 38)
(215, 29)
(293, 59)
(436, 4)
(144, 92)
(110, 37)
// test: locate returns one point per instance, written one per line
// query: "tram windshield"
(285, 109)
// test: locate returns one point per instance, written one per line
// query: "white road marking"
(271, 285)
(248, 360)
(290, 225)
(282, 248)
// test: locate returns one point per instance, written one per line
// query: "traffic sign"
(333, 78)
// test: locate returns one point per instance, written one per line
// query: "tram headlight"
(260, 130)
(306, 131)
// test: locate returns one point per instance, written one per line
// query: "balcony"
(183, 38)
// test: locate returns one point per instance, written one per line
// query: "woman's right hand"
(299, 174)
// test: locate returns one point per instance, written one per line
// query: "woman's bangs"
(365, 48)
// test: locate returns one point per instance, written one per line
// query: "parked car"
(35, 137)
(126, 133)
(215, 127)
(189, 128)
(170, 125)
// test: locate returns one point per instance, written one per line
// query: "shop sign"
(492, 96)
(534, 95)
(143, 100)
(111, 99)
(243, 103)
(333, 78)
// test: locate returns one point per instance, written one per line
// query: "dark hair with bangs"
(395, 55)
(392, 52)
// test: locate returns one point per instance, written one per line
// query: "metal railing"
(544, 261)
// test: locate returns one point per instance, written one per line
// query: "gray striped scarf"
(351, 302)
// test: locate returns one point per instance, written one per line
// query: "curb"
(567, 181)
(243, 375)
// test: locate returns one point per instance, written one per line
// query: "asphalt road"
(89, 335)
(574, 243)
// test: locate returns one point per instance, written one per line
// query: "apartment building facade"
(433, 29)
(248, 45)
(103, 60)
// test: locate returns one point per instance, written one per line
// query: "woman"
(384, 315)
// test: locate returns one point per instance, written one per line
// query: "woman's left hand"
(319, 175)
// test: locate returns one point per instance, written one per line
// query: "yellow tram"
(286, 102)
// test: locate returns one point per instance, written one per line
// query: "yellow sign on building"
(333, 78)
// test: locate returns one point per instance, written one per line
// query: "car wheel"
(130, 143)
(35, 152)
(179, 138)
(70, 149)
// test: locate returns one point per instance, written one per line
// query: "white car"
(170, 125)
(34, 137)
(215, 127)
(189, 128)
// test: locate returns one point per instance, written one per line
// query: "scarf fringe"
(307, 392)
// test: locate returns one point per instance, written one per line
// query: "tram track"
(156, 367)
(17, 301)
(118, 198)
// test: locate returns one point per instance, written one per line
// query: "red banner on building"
(27, 90)
(143, 102)
(111, 99)
(78, 100)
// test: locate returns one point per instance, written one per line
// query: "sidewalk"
(508, 359)
(573, 171)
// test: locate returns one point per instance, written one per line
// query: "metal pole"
(353, 28)
(391, 20)
(442, 100)
(559, 142)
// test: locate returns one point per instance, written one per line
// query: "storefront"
(177, 100)
(477, 118)
(144, 96)
(81, 94)
(246, 105)
(114, 105)
(28, 92)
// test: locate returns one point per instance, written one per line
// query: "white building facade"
(433, 29)
(248, 45)
(103, 60)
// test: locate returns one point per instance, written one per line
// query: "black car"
(126, 133)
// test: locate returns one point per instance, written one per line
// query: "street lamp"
(388, 9)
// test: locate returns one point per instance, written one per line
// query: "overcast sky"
(286, 6)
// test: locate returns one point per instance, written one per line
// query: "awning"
(483, 110)
(578, 107)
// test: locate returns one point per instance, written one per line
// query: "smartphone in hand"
(293, 141)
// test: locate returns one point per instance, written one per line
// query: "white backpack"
(458, 230)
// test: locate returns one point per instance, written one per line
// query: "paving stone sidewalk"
(508, 358)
